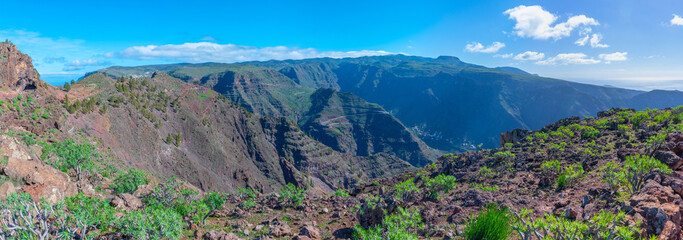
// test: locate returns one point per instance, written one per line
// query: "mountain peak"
(448, 59)
(16, 69)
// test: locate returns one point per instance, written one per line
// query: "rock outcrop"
(16, 69)
(43, 181)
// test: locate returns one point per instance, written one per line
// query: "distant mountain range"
(449, 104)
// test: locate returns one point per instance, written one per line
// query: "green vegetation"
(492, 223)
(632, 175)
(601, 226)
(398, 226)
(248, 196)
(406, 190)
(570, 176)
(484, 188)
(70, 156)
(503, 155)
(292, 195)
(129, 182)
(152, 223)
(341, 193)
(440, 183)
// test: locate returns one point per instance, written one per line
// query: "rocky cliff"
(16, 69)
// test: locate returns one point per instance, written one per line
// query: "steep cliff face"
(347, 123)
(220, 146)
(16, 69)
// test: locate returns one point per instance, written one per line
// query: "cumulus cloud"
(507, 55)
(228, 53)
(582, 41)
(535, 22)
(677, 20)
(478, 47)
(595, 41)
(569, 58)
(614, 57)
(81, 64)
(529, 56)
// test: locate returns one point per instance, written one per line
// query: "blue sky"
(635, 44)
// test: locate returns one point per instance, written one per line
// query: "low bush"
(570, 176)
(492, 223)
(406, 191)
(398, 226)
(129, 181)
(441, 183)
(292, 195)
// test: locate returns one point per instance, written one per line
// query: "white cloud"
(614, 57)
(534, 22)
(478, 47)
(595, 41)
(529, 56)
(582, 41)
(227, 53)
(49, 54)
(507, 55)
(677, 20)
(79, 65)
(569, 58)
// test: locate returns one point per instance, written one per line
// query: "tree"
(67, 87)
(73, 82)
(214, 201)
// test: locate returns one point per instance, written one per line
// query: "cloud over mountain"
(569, 58)
(228, 53)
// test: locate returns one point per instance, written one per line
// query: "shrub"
(406, 190)
(70, 156)
(604, 225)
(638, 118)
(560, 147)
(541, 135)
(22, 218)
(570, 176)
(550, 170)
(88, 213)
(590, 132)
(214, 201)
(438, 184)
(398, 226)
(504, 154)
(292, 195)
(638, 168)
(152, 223)
(492, 223)
(341, 193)
(129, 182)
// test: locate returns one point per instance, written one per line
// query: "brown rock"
(671, 231)
(669, 158)
(6, 189)
(310, 231)
(44, 181)
(280, 229)
(219, 235)
(127, 202)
